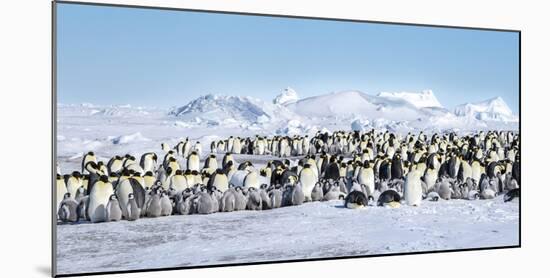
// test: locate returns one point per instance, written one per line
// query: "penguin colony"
(361, 168)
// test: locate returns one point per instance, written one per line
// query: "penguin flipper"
(91, 182)
(139, 192)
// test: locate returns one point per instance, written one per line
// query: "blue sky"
(112, 55)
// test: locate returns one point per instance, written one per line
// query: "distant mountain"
(218, 109)
(494, 109)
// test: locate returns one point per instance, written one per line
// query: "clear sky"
(114, 55)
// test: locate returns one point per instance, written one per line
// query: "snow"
(279, 234)
(286, 97)
(419, 100)
(312, 230)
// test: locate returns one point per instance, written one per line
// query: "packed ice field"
(447, 191)
(277, 181)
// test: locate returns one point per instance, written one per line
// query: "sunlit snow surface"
(313, 230)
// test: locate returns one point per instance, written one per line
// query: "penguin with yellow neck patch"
(100, 193)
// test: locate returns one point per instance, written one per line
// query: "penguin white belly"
(221, 182)
(430, 178)
(251, 180)
(122, 191)
(99, 197)
(149, 165)
(179, 183)
(413, 189)
(193, 163)
(366, 177)
(237, 179)
(307, 180)
(72, 186)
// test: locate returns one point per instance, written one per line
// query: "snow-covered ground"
(313, 230)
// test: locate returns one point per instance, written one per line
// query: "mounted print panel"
(189, 138)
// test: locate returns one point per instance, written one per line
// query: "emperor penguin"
(60, 190)
(333, 193)
(307, 180)
(202, 203)
(444, 190)
(132, 209)
(198, 148)
(251, 180)
(114, 213)
(219, 180)
(211, 162)
(165, 205)
(89, 157)
(115, 164)
(100, 193)
(355, 200)
(317, 193)
(148, 162)
(366, 176)
(227, 202)
(413, 189)
(511, 195)
(67, 211)
(178, 182)
(165, 147)
(430, 177)
(226, 158)
(154, 208)
(126, 187)
(149, 179)
(73, 182)
(389, 198)
(276, 198)
(240, 199)
(193, 161)
(396, 167)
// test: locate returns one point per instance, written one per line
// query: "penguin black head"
(179, 172)
(91, 153)
(104, 179)
(213, 156)
(137, 174)
(219, 171)
(169, 170)
(100, 163)
(58, 176)
(158, 183)
(193, 153)
(148, 174)
(131, 172)
(130, 196)
(307, 166)
(113, 175)
(172, 159)
(113, 197)
(125, 172)
(127, 156)
(194, 172)
(66, 196)
(76, 174)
